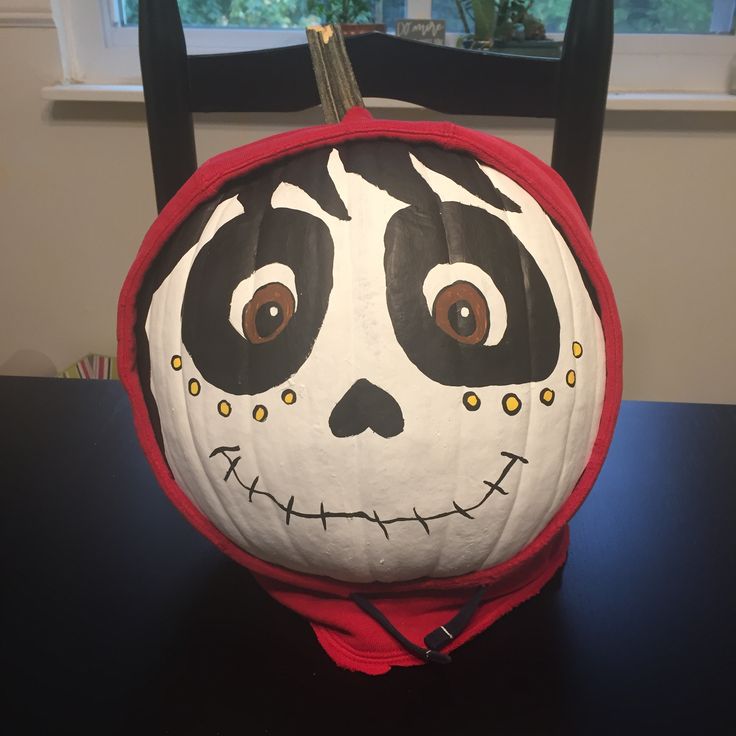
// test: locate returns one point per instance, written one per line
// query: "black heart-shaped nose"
(366, 406)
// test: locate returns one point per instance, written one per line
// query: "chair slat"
(163, 57)
(584, 71)
(453, 81)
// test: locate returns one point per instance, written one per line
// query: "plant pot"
(470, 42)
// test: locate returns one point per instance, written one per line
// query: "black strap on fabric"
(443, 635)
(428, 654)
(435, 640)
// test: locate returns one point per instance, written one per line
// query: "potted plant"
(353, 16)
(504, 25)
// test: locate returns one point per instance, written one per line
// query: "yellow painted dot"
(176, 362)
(511, 404)
(471, 401)
(194, 387)
(570, 378)
(260, 413)
(547, 396)
(577, 349)
(224, 408)
(288, 396)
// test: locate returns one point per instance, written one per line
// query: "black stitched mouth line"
(323, 515)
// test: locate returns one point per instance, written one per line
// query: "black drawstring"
(435, 640)
(443, 635)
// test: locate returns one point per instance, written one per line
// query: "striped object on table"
(92, 366)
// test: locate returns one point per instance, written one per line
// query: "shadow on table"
(237, 660)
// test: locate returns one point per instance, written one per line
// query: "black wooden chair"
(572, 90)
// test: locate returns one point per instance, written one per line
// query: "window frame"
(96, 51)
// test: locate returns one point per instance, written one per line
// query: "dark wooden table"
(117, 617)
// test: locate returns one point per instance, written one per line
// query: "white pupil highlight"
(273, 311)
(464, 312)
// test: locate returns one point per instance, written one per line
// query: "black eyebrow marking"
(309, 173)
(402, 181)
(466, 172)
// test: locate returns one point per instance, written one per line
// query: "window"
(660, 45)
(630, 16)
(274, 13)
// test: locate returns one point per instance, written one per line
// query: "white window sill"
(671, 101)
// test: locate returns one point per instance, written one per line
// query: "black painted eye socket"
(270, 337)
(461, 311)
(268, 313)
(448, 344)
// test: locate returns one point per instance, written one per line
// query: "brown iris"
(269, 311)
(461, 311)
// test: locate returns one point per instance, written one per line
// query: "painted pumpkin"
(377, 359)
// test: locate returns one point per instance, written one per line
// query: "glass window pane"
(663, 16)
(630, 16)
(275, 13)
(448, 11)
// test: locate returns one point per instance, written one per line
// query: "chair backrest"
(572, 89)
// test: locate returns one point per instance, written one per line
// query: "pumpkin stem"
(336, 84)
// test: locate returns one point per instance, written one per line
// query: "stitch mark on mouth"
(231, 469)
(462, 511)
(383, 524)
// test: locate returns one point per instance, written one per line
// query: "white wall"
(76, 197)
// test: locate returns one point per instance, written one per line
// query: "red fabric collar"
(356, 642)
(350, 637)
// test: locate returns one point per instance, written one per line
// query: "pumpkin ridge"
(573, 333)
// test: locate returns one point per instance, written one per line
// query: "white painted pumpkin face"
(376, 363)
